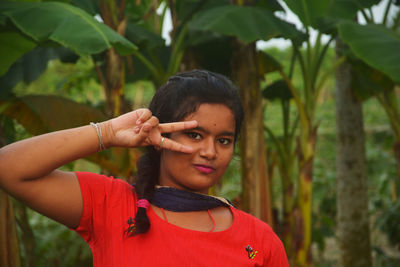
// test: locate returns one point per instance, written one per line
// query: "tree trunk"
(302, 212)
(27, 237)
(352, 199)
(288, 204)
(115, 77)
(10, 254)
(9, 245)
(255, 183)
(112, 77)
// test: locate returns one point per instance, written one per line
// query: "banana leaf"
(12, 46)
(246, 23)
(31, 65)
(378, 46)
(325, 15)
(40, 114)
(65, 25)
(277, 90)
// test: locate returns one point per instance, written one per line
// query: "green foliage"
(381, 170)
(7, 128)
(40, 114)
(277, 90)
(272, 5)
(66, 25)
(138, 12)
(56, 245)
(368, 82)
(142, 37)
(12, 46)
(283, 57)
(384, 260)
(216, 59)
(186, 8)
(90, 6)
(308, 11)
(231, 181)
(389, 223)
(77, 82)
(139, 93)
(246, 23)
(267, 63)
(325, 15)
(376, 45)
(324, 183)
(30, 66)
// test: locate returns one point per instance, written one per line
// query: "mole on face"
(215, 124)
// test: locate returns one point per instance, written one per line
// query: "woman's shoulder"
(256, 228)
(102, 184)
(250, 220)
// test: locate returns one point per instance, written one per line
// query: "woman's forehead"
(213, 115)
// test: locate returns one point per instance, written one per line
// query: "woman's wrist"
(107, 134)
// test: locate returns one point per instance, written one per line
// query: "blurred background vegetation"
(77, 82)
(87, 80)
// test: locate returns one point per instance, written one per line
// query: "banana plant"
(283, 146)
(323, 16)
(376, 44)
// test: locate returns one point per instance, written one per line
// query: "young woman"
(166, 218)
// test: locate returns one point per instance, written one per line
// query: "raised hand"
(141, 128)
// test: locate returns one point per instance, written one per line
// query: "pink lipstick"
(204, 168)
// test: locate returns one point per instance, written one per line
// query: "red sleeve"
(276, 253)
(101, 196)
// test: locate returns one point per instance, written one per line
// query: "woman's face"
(213, 143)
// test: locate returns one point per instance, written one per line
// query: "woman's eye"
(225, 141)
(194, 135)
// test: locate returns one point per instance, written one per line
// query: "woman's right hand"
(140, 128)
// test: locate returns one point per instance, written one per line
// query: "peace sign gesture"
(141, 128)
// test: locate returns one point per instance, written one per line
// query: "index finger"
(177, 126)
(175, 146)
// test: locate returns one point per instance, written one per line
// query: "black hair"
(179, 97)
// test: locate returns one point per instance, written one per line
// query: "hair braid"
(148, 172)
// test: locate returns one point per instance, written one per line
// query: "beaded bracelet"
(98, 131)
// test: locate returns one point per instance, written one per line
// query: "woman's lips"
(204, 168)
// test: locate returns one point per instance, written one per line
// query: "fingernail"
(139, 121)
(136, 129)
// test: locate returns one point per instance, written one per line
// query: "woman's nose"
(208, 149)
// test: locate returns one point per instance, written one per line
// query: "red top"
(109, 203)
